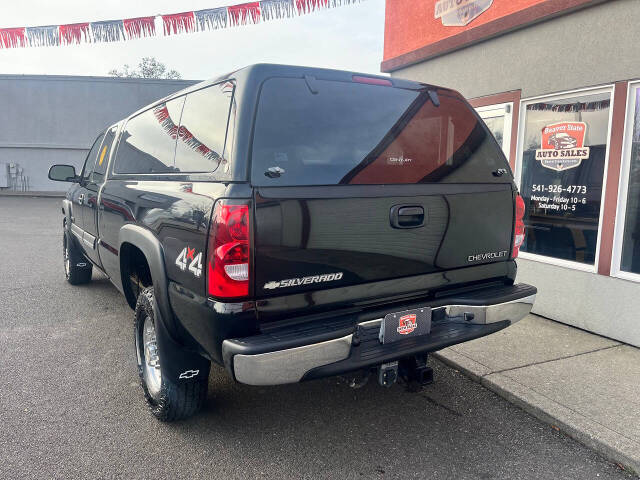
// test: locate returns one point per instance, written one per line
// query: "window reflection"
(203, 128)
(147, 145)
(496, 127)
(91, 158)
(353, 133)
(102, 159)
(186, 134)
(182, 133)
(630, 261)
(424, 145)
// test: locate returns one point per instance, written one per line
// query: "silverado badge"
(294, 282)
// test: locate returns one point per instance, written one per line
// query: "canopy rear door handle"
(407, 216)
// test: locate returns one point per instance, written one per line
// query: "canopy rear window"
(319, 132)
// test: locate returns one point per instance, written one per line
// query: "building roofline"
(89, 78)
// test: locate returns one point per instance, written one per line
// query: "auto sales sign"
(458, 13)
(562, 146)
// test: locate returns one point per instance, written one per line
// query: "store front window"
(630, 257)
(564, 150)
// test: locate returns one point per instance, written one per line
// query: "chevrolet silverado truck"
(289, 224)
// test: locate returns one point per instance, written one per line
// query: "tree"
(149, 67)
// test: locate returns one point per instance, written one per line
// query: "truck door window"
(102, 159)
(90, 161)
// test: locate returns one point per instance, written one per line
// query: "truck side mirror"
(63, 173)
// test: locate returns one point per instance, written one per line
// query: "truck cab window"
(102, 158)
(89, 162)
(148, 142)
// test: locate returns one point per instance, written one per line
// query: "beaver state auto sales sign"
(562, 146)
(458, 13)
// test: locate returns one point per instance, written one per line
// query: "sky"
(348, 37)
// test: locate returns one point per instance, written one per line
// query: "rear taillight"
(518, 235)
(228, 252)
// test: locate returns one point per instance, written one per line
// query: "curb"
(608, 443)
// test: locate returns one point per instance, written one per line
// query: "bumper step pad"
(371, 352)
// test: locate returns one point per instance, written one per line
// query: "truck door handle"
(407, 216)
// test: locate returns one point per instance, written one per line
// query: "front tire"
(168, 400)
(77, 269)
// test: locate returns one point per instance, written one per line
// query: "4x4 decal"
(195, 266)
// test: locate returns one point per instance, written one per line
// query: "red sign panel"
(562, 145)
(418, 30)
(563, 134)
(407, 324)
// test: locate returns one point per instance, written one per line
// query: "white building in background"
(50, 119)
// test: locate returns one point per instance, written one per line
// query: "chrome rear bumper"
(513, 311)
(292, 364)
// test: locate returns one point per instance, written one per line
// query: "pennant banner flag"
(307, 6)
(211, 19)
(178, 23)
(140, 27)
(244, 13)
(173, 24)
(43, 36)
(571, 107)
(107, 31)
(12, 37)
(74, 33)
(274, 9)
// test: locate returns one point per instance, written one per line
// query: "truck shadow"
(357, 432)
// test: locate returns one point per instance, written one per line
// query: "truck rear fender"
(175, 358)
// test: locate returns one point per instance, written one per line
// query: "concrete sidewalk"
(586, 385)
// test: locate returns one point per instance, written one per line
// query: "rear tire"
(167, 400)
(77, 269)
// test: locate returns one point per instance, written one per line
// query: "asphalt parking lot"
(71, 406)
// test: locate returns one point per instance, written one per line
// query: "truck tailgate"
(312, 238)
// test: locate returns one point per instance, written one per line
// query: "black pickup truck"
(293, 223)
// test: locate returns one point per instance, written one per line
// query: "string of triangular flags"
(161, 112)
(173, 24)
(571, 107)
